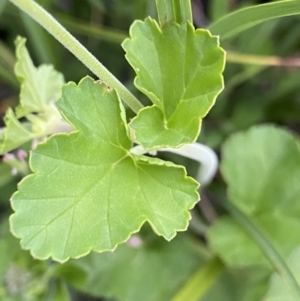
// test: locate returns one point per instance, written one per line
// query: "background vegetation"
(194, 266)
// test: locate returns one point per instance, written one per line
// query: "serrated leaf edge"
(147, 92)
(143, 158)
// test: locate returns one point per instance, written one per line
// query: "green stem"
(200, 282)
(178, 11)
(273, 256)
(182, 11)
(240, 58)
(64, 37)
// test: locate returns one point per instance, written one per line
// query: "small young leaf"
(179, 69)
(261, 168)
(88, 192)
(14, 134)
(40, 87)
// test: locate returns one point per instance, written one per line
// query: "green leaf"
(40, 87)
(261, 168)
(226, 232)
(14, 134)
(242, 284)
(88, 192)
(179, 69)
(152, 271)
(278, 290)
(240, 20)
(206, 275)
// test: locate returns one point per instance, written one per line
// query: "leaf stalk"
(178, 11)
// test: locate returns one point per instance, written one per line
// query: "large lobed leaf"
(88, 192)
(262, 170)
(40, 88)
(179, 69)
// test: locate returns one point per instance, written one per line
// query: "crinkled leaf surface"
(262, 170)
(278, 290)
(179, 69)
(40, 88)
(152, 271)
(88, 192)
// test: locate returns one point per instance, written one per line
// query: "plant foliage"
(182, 86)
(88, 192)
(76, 150)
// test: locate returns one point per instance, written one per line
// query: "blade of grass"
(8, 77)
(240, 20)
(269, 250)
(7, 57)
(200, 282)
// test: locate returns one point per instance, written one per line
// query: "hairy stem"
(41, 16)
